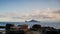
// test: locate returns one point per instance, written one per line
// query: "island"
(32, 21)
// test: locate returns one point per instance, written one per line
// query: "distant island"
(32, 21)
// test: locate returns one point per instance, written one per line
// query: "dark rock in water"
(51, 32)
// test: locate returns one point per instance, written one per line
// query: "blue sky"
(16, 7)
(22, 5)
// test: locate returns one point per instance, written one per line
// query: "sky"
(21, 10)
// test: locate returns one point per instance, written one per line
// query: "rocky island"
(32, 21)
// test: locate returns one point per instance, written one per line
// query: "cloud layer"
(44, 14)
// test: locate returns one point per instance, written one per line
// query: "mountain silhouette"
(32, 21)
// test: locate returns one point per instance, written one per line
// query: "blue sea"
(30, 24)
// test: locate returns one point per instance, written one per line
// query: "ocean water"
(30, 24)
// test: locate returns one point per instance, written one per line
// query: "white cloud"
(44, 14)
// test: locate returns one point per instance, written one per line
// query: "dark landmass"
(32, 21)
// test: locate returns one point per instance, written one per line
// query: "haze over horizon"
(21, 10)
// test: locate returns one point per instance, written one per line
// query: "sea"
(30, 24)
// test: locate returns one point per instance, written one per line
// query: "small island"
(32, 21)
